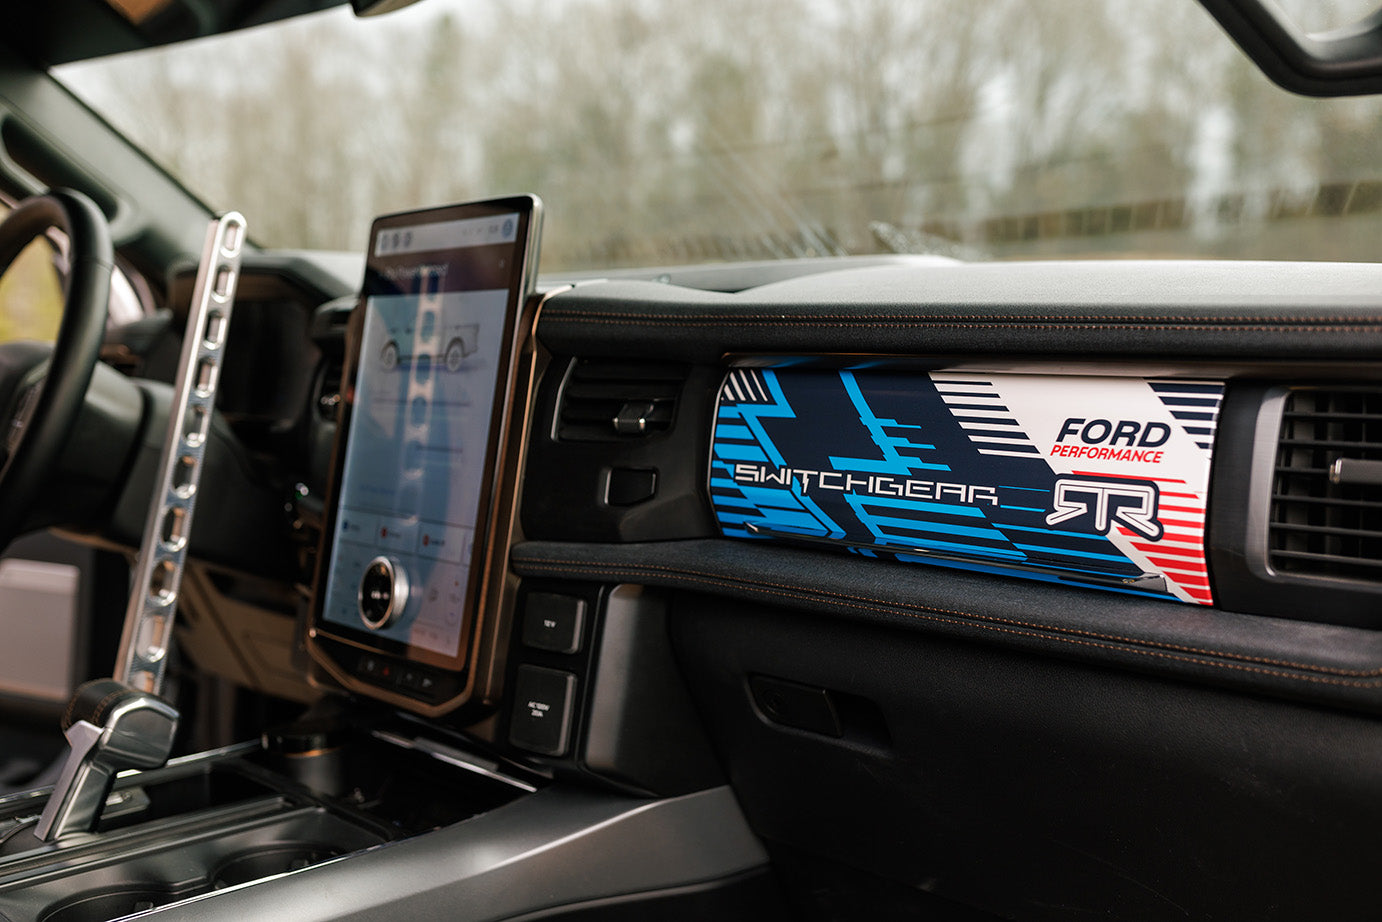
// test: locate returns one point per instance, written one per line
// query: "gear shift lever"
(120, 723)
(110, 727)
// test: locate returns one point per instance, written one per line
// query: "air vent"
(1326, 512)
(609, 400)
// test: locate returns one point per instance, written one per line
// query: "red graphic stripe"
(1188, 581)
(1177, 575)
(1169, 537)
(1199, 593)
(1182, 556)
(1178, 566)
(1193, 510)
(1182, 523)
(1150, 549)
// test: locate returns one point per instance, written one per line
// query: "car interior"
(426, 581)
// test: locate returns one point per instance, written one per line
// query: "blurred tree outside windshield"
(676, 131)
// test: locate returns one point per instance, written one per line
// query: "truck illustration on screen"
(459, 339)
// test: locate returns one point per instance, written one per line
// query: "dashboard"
(824, 589)
(723, 469)
(961, 421)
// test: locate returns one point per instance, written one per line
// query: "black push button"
(628, 487)
(542, 710)
(553, 622)
(377, 669)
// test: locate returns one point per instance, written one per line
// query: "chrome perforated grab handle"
(158, 572)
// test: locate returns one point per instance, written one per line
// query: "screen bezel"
(521, 280)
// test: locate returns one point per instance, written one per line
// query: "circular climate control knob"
(383, 593)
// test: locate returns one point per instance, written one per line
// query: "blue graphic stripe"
(1183, 414)
(832, 529)
(729, 412)
(1023, 508)
(901, 442)
(778, 518)
(866, 466)
(964, 531)
(766, 496)
(1038, 549)
(724, 431)
(738, 502)
(914, 505)
(780, 408)
(885, 543)
(893, 462)
(1190, 401)
(1053, 531)
(730, 531)
(730, 452)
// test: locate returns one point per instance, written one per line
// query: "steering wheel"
(41, 391)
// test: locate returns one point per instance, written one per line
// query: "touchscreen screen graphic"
(415, 459)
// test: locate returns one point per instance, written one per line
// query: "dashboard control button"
(542, 705)
(553, 622)
(628, 487)
(383, 593)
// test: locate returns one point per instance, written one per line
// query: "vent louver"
(1326, 511)
(609, 400)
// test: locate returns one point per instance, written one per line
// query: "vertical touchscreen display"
(433, 333)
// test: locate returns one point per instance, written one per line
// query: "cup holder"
(242, 867)
(111, 904)
(260, 863)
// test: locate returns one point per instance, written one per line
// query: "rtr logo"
(1103, 502)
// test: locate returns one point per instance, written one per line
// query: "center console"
(218, 820)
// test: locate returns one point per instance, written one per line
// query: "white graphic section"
(415, 454)
(1092, 427)
(978, 407)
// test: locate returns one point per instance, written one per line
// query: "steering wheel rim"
(47, 421)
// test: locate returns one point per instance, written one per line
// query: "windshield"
(667, 132)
